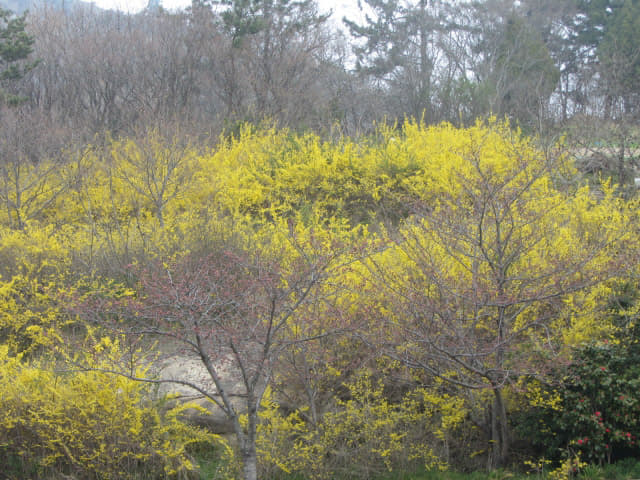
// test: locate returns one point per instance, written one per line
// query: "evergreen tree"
(276, 49)
(619, 55)
(399, 50)
(15, 47)
(592, 22)
(243, 18)
(603, 34)
(522, 73)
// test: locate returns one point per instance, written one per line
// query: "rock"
(192, 370)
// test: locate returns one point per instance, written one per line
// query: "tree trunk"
(248, 446)
(499, 428)
(425, 66)
(622, 170)
(250, 463)
(499, 431)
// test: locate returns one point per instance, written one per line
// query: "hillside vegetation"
(403, 248)
(432, 297)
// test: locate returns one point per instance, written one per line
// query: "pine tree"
(398, 48)
(522, 74)
(275, 43)
(619, 55)
(15, 47)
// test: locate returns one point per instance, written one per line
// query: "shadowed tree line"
(542, 63)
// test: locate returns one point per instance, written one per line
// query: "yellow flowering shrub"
(29, 191)
(365, 434)
(89, 425)
(416, 197)
(34, 266)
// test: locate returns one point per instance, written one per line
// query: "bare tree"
(480, 280)
(104, 71)
(230, 310)
(30, 166)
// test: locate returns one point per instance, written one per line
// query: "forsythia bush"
(34, 266)
(90, 425)
(363, 435)
(413, 209)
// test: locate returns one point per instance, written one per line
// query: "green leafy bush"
(599, 412)
(601, 415)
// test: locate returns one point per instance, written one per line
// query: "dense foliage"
(355, 293)
(594, 410)
(385, 303)
(88, 424)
